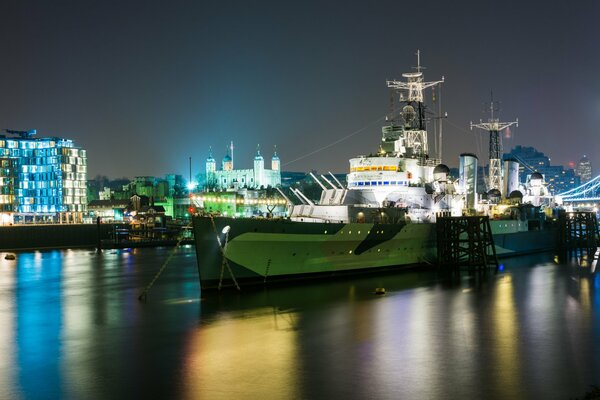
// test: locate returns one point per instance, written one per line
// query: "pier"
(579, 231)
(465, 242)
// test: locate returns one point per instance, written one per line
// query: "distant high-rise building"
(584, 169)
(41, 179)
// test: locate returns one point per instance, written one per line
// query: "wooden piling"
(578, 231)
(465, 242)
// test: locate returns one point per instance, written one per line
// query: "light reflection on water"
(71, 327)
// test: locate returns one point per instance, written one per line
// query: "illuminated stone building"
(41, 179)
(252, 178)
(242, 192)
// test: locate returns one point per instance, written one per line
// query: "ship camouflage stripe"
(379, 233)
(239, 226)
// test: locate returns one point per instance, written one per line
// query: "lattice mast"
(494, 127)
(413, 113)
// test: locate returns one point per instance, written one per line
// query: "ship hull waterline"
(263, 251)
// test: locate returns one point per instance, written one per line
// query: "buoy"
(10, 257)
(379, 290)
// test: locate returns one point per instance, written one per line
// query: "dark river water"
(71, 326)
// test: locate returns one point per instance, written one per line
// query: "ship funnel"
(468, 179)
(511, 176)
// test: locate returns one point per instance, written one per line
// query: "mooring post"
(98, 236)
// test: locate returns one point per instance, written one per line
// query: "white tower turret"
(211, 164)
(275, 163)
(227, 164)
(259, 168)
(211, 167)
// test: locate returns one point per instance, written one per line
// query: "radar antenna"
(414, 111)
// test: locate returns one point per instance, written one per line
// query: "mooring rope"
(224, 262)
(144, 293)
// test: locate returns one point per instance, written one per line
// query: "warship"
(384, 217)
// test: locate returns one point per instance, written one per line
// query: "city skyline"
(145, 86)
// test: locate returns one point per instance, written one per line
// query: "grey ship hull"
(262, 251)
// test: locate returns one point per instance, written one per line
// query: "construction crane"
(23, 134)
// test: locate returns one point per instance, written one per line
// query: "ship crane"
(23, 134)
(494, 127)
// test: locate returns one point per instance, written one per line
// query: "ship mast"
(494, 127)
(415, 133)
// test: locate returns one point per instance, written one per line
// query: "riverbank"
(53, 236)
(63, 236)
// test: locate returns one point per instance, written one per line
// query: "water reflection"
(39, 322)
(7, 323)
(71, 326)
(233, 358)
(506, 343)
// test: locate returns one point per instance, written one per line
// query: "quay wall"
(28, 237)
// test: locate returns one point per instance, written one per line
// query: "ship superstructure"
(400, 175)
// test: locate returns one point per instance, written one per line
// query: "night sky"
(145, 85)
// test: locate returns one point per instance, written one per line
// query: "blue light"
(501, 267)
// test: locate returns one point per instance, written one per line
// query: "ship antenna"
(494, 127)
(418, 67)
(416, 136)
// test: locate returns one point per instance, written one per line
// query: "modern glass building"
(42, 179)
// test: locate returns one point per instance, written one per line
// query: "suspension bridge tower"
(494, 127)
